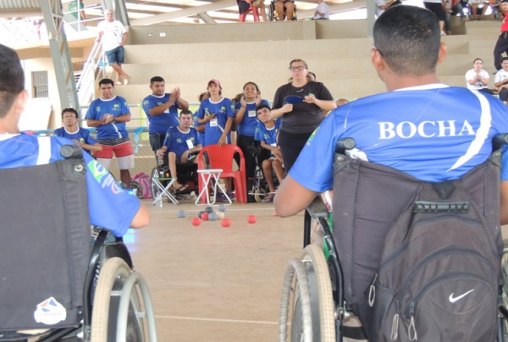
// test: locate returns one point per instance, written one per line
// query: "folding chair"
(161, 186)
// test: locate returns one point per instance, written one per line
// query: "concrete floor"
(210, 283)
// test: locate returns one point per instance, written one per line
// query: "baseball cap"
(213, 80)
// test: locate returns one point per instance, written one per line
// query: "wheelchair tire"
(107, 313)
(504, 270)
(320, 285)
(259, 194)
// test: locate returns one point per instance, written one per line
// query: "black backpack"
(439, 271)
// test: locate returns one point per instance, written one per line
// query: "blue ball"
(181, 214)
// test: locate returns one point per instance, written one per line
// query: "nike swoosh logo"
(453, 299)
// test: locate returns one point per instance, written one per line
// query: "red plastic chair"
(255, 14)
(221, 157)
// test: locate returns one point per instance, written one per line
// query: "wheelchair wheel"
(137, 188)
(259, 194)
(122, 309)
(504, 270)
(321, 306)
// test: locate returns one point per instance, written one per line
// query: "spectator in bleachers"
(216, 112)
(475, 6)
(322, 11)
(266, 134)
(478, 78)
(246, 120)
(285, 9)
(181, 145)
(502, 41)
(109, 114)
(302, 105)
(438, 8)
(113, 35)
(71, 130)
(161, 109)
(501, 81)
(383, 5)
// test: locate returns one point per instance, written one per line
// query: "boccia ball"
(205, 216)
(181, 214)
(220, 214)
(209, 210)
(225, 223)
(212, 217)
(196, 221)
(222, 208)
(251, 219)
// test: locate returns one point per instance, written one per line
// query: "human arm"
(503, 215)
(106, 119)
(141, 218)
(326, 105)
(277, 113)
(241, 111)
(292, 197)
(227, 128)
(187, 153)
(90, 147)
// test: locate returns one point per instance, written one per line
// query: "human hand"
(160, 153)
(108, 118)
(288, 107)
(277, 153)
(185, 156)
(309, 99)
(243, 102)
(222, 140)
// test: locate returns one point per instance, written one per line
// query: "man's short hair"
(261, 106)
(12, 78)
(106, 81)
(408, 38)
(70, 110)
(156, 79)
(185, 111)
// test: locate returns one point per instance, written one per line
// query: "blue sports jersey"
(179, 142)
(214, 128)
(434, 133)
(82, 135)
(168, 118)
(249, 121)
(267, 135)
(116, 106)
(109, 206)
(201, 135)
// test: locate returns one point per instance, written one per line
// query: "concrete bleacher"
(337, 51)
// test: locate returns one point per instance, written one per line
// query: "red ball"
(251, 219)
(196, 221)
(204, 216)
(225, 223)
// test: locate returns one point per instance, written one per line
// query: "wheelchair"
(60, 281)
(258, 186)
(272, 14)
(313, 305)
(161, 181)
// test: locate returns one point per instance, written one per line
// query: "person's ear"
(442, 52)
(377, 59)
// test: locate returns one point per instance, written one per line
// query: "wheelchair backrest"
(45, 243)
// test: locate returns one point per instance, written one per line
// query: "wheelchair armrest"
(317, 208)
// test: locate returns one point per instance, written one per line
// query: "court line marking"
(223, 320)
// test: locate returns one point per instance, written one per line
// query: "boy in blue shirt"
(266, 133)
(109, 206)
(72, 131)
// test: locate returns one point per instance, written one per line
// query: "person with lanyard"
(161, 109)
(245, 117)
(72, 131)
(217, 114)
(181, 145)
(301, 105)
(109, 114)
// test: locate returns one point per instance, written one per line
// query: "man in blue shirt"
(422, 127)
(161, 110)
(72, 131)
(109, 205)
(108, 114)
(181, 144)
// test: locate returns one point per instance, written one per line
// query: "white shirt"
(501, 75)
(471, 75)
(112, 34)
(322, 8)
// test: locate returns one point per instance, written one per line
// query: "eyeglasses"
(297, 68)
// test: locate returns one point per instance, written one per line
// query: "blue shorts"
(116, 56)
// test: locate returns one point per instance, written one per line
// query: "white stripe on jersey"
(44, 150)
(481, 134)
